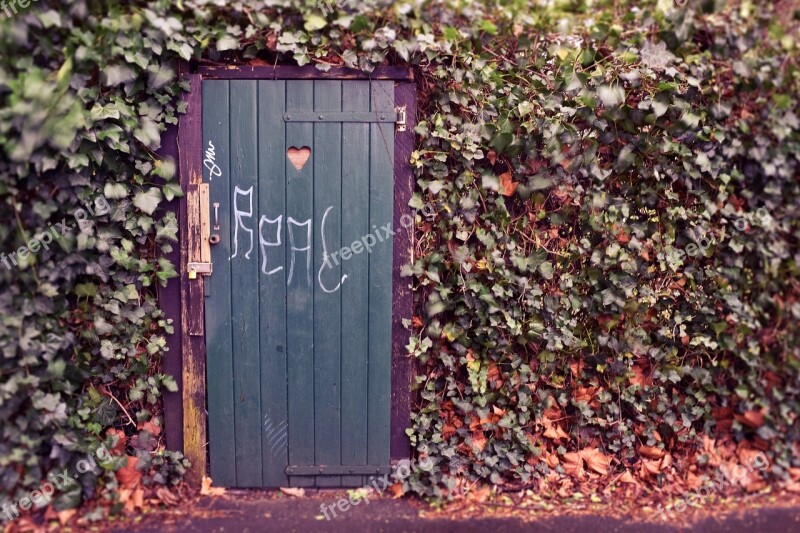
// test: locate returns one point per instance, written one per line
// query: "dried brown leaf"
(207, 490)
(297, 492)
(596, 460)
(651, 452)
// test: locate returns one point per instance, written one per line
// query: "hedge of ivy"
(610, 274)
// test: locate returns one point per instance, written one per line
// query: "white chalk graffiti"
(238, 214)
(264, 243)
(210, 162)
(325, 257)
(307, 248)
(300, 237)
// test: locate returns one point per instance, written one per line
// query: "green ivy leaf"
(148, 200)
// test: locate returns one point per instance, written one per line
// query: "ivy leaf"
(106, 412)
(227, 43)
(315, 22)
(115, 190)
(148, 133)
(148, 200)
(611, 95)
(172, 190)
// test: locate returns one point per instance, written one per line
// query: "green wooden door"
(299, 339)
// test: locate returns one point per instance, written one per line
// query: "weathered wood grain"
(192, 318)
(402, 299)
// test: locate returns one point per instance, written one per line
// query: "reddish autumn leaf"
(151, 428)
(207, 490)
(640, 377)
(553, 431)
(119, 447)
(128, 476)
(650, 467)
(576, 367)
(651, 452)
(396, 490)
(551, 459)
(573, 464)
(596, 460)
(507, 185)
(751, 419)
(479, 440)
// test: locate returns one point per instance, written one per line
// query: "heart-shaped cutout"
(298, 156)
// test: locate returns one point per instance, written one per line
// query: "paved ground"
(286, 515)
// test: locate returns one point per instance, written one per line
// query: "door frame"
(185, 414)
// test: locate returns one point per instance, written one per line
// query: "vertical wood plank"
(169, 299)
(355, 291)
(272, 291)
(299, 287)
(193, 378)
(381, 188)
(217, 173)
(402, 298)
(327, 287)
(244, 283)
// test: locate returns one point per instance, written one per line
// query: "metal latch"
(401, 118)
(200, 263)
(204, 269)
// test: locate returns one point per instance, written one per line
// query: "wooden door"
(298, 316)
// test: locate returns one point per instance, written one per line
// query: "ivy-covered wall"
(609, 280)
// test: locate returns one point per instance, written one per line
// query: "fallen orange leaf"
(508, 185)
(596, 460)
(479, 440)
(651, 452)
(573, 464)
(751, 419)
(207, 490)
(128, 476)
(396, 490)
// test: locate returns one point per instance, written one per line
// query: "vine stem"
(107, 393)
